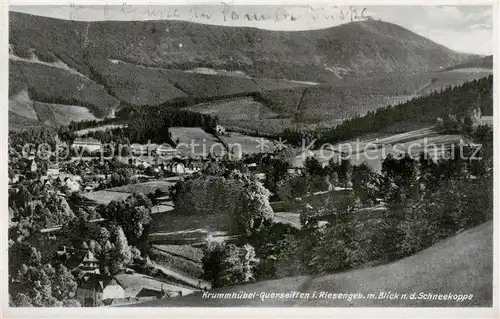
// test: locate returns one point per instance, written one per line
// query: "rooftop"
(87, 141)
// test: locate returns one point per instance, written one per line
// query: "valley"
(152, 162)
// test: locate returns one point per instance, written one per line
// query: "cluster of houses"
(96, 289)
(94, 145)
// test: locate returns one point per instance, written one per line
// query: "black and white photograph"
(314, 155)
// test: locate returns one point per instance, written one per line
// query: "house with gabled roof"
(94, 289)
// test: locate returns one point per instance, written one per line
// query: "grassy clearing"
(60, 114)
(105, 197)
(145, 188)
(21, 104)
(243, 108)
(244, 144)
(260, 127)
(292, 219)
(373, 151)
(174, 222)
(196, 141)
(184, 251)
(284, 206)
(180, 264)
(101, 128)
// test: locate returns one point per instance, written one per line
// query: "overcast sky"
(462, 28)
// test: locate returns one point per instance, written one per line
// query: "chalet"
(138, 149)
(260, 176)
(89, 188)
(176, 168)
(166, 150)
(14, 179)
(83, 260)
(89, 263)
(140, 162)
(33, 166)
(89, 144)
(252, 166)
(220, 130)
(53, 170)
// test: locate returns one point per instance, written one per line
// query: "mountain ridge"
(77, 63)
(360, 46)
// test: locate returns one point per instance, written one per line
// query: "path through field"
(193, 282)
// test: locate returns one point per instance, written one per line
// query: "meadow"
(145, 188)
(105, 196)
(196, 141)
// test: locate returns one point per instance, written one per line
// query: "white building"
(89, 144)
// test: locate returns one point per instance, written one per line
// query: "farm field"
(101, 128)
(400, 138)
(185, 251)
(105, 196)
(243, 108)
(196, 141)
(173, 222)
(267, 126)
(284, 206)
(244, 114)
(414, 141)
(177, 263)
(243, 144)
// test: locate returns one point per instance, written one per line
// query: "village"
(150, 169)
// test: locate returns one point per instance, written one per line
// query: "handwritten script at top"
(228, 13)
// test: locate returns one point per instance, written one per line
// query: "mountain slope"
(110, 65)
(359, 47)
(481, 63)
(462, 264)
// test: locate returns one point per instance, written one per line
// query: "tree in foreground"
(227, 264)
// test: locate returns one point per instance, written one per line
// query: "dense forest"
(150, 123)
(457, 101)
